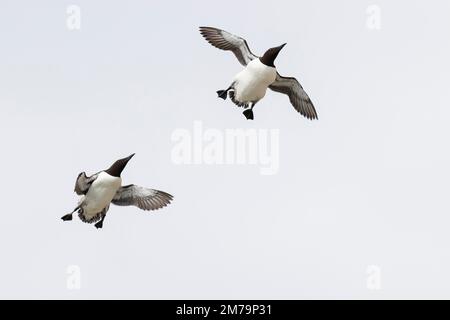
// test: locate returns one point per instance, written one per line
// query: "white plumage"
(251, 83)
(100, 194)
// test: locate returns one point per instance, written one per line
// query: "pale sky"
(365, 185)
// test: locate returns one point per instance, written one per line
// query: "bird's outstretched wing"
(226, 41)
(84, 182)
(143, 198)
(298, 97)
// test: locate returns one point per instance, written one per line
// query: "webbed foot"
(248, 114)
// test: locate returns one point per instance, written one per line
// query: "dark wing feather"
(83, 183)
(226, 41)
(143, 198)
(298, 97)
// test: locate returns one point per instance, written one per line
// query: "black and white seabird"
(250, 85)
(105, 187)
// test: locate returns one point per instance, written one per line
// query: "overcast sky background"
(365, 185)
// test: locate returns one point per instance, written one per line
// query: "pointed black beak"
(124, 161)
(129, 157)
(118, 166)
(269, 57)
(278, 49)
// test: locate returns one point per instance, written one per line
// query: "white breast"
(100, 194)
(252, 82)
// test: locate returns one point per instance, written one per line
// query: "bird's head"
(270, 55)
(117, 167)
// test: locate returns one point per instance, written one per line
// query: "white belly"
(251, 83)
(100, 194)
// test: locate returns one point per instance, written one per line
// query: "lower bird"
(250, 85)
(105, 187)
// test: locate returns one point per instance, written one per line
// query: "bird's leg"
(68, 216)
(248, 113)
(223, 93)
(99, 224)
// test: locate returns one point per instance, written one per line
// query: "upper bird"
(105, 187)
(250, 85)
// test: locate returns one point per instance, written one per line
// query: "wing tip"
(314, 116)
(207, 30)
(164, 199)
(311, 117)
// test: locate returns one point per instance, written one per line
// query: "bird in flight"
(250, 85)
(105, 187)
